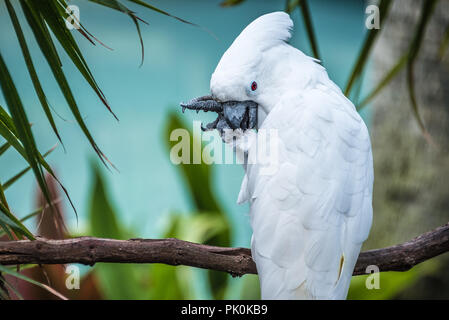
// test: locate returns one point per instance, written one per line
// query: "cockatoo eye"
(253, 86)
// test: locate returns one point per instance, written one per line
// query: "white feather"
(307, 229)
(310, 217)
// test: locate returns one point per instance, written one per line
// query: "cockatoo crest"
(238, 66)
(265, 32)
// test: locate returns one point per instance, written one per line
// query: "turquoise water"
(179, 60)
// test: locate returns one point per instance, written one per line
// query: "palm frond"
(31, 70)
(21, 123)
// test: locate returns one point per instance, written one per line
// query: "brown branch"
(236, 261)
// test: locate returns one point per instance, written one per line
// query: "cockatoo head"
(247, 78)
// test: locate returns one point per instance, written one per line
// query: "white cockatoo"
(311, 215)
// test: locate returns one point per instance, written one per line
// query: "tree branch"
(236, 261)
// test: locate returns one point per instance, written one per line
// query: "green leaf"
(22, 126)
(4, 147)
(149, 6)
(169, 282)
(368, 43)
(198, 181)
(29, 216)
(37, 211)
(7, 121)
(11, 138)
(384, 81)
(4, 295)
(32, 11)
(118, 281)
(2, 196)
(102, 216)
(25, 278)
(251, 287)
(9, 219)
(17, 176)
(196, 176)
(230, 3)
(8, 131)
(6, 220)
(117, 5)
(31, 70)
(444, 43)
(4, 229)
(11, 287)
(55, 17)
(3, 225)
(426, 12)
(390, 283)
(305, 11)
(408, 59)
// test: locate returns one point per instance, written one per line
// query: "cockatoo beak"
(231, 114)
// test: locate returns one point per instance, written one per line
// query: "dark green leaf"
(384, 81)
(426, 12)
(9, 219)
(22, 126)
(11, 287)
(149, 6)
(102, 216)
(3, 225)
(444, 43)
(25, 278)
(305, 11)
(198, 180)
(55, 17)
(117, 281)
(117, 5)
(368, 43)
(197, 176)
(4, 147)
(31, 215)
(10, 136)
(35, 20)
(16, 177)
(31, 70)
(230, 3)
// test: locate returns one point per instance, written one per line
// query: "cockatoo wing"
(311, 217)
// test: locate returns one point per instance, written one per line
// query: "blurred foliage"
(198, 180)
(206, 224)
(391, 284)
(117, 281)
